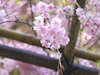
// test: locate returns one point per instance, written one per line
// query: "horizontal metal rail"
(30, 39)
(41, 60)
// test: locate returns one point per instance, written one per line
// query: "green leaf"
(55, 50)
(50, 13)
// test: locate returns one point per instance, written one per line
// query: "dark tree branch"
(73, 33)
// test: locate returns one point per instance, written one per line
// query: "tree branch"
(73, 34)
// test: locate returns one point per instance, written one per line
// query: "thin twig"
(32, 16)
(93, 43)
(91, 38)
(17, 9)
(6, 22)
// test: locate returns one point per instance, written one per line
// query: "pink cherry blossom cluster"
(81, 14)
(52, 33)
(43, 8)
(89, 19)
(49, 30)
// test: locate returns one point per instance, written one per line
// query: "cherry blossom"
(2, 15)
(39, 21)
(52, 34)
(79, 11)
(50, 7)
(82, 18)
(42, 6)
(69, 9)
